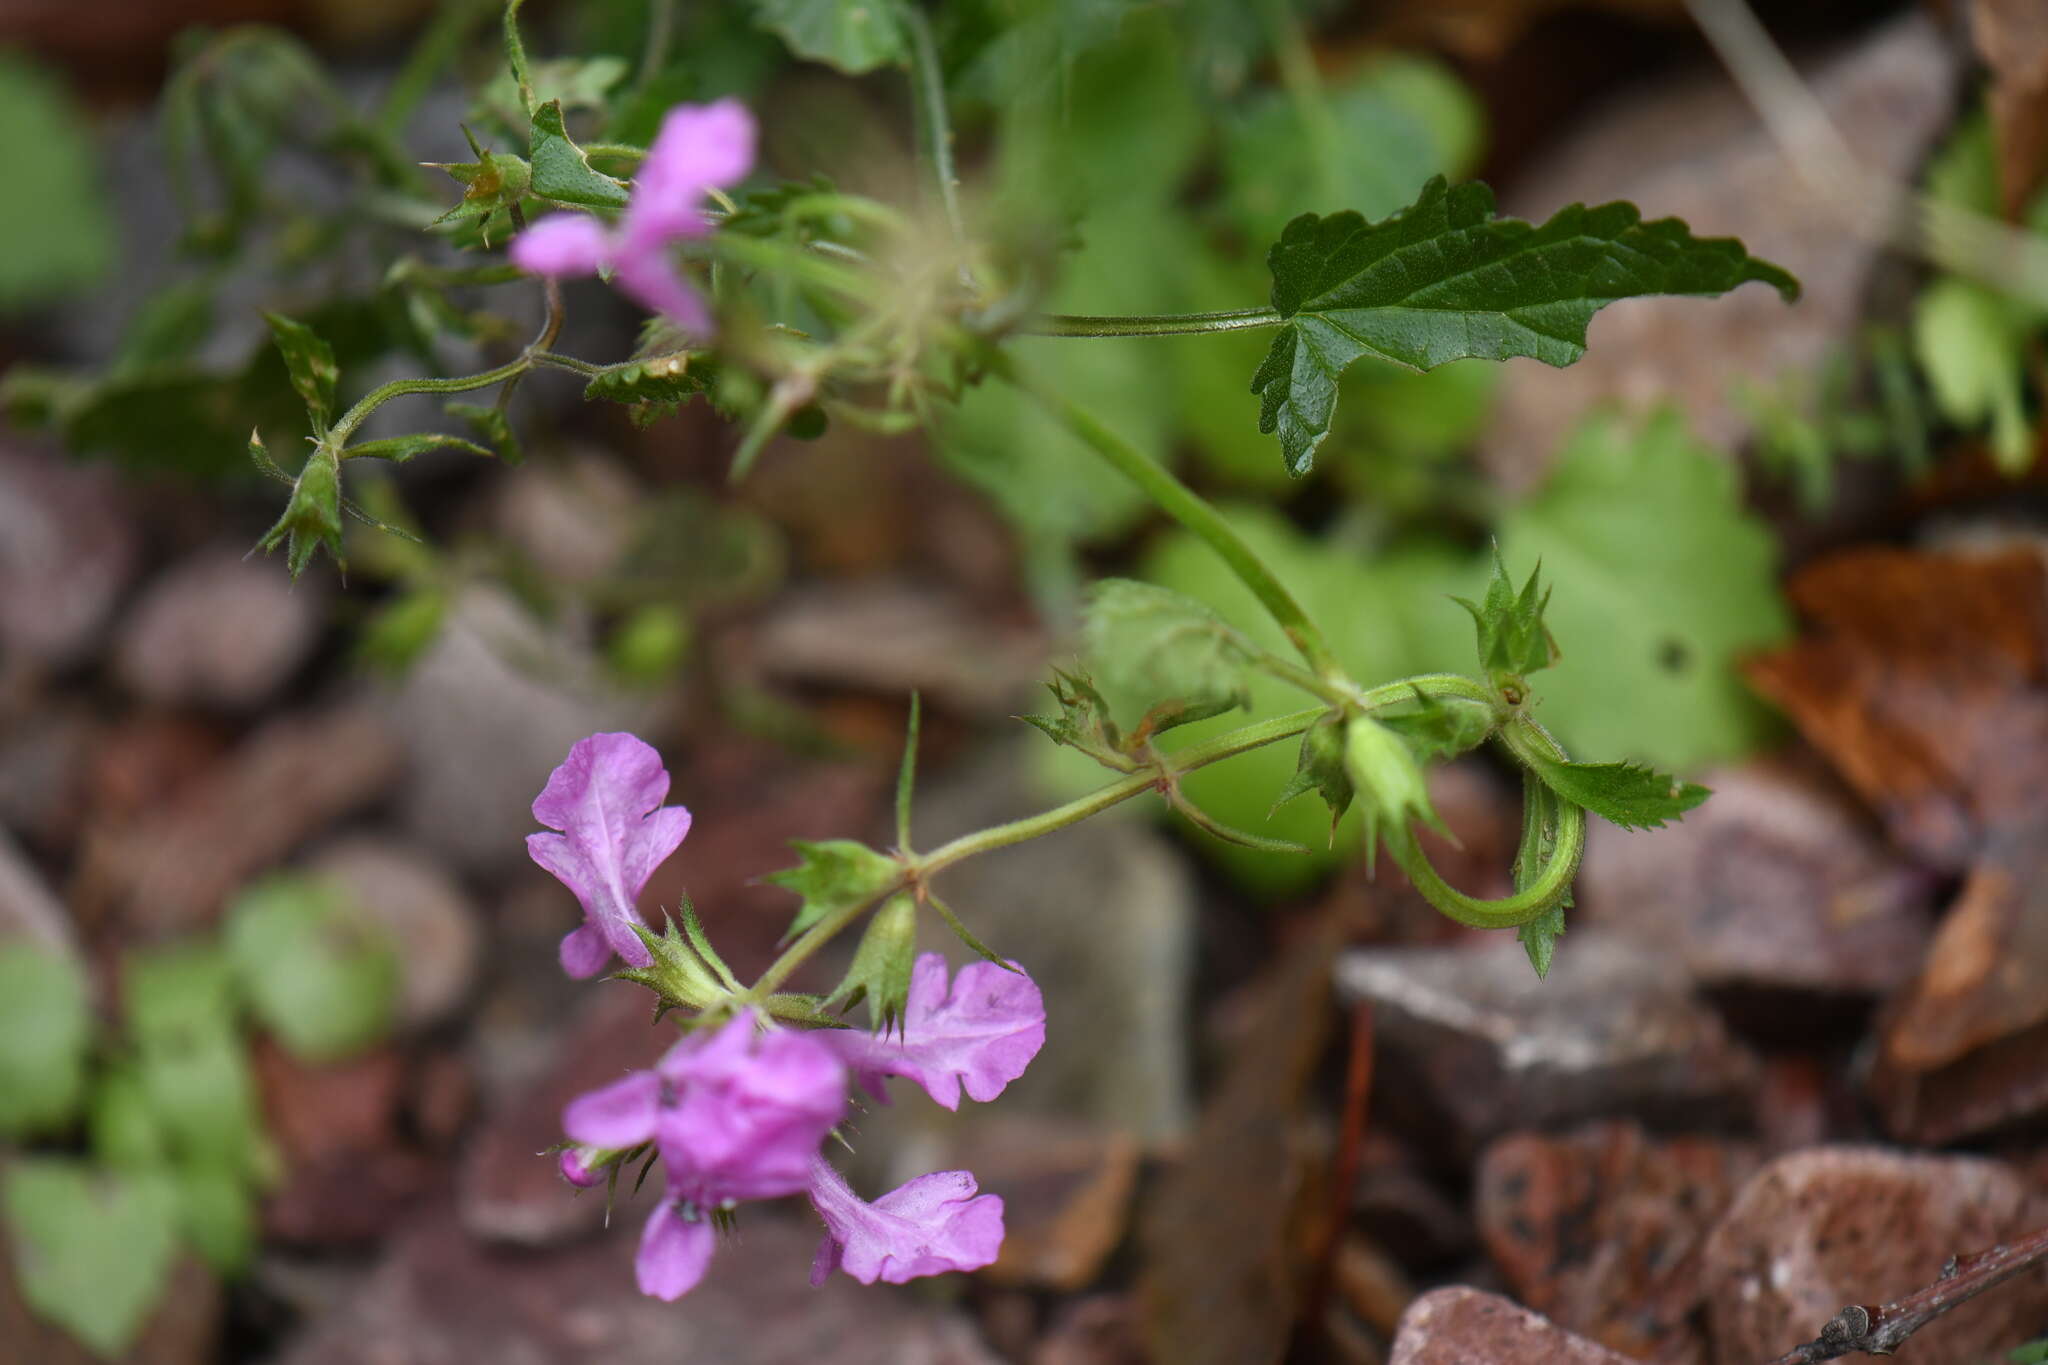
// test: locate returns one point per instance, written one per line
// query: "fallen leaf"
(2012, 38)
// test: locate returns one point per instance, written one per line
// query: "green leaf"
(1151, 643)
(880, 972)
(174, 994)
(2033, 1353)
(834, 875)
(56, 234)
(92, 1250)
(493, 425)
(665, 380)
(401, 629)
(1626, 794)
(1540, 816)
(318, 973)
(856, 36)
(1441, 728)
(1971, 342)
(1513, 641)
(1398, 120)
(45, 1026)
(1664, 581)
(1084, 721)
(217, 1214)
(125, 1131)
(309, 360)
(399, 449)
(1445, 280)
(562, 173)
(311, 520)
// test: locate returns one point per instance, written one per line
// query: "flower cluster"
(699, 148)
(737, 1112)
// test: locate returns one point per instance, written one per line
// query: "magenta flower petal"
(561, 245)
(622, 1114)
(577, 1170)
(605, 799)
(933, 1224)
(584, 952)
(649, 278)
(981, 1035)
(675, 1250)
(699, 147)
(750, 1111)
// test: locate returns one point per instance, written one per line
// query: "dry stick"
(1344, 1176)
(1880, 1331)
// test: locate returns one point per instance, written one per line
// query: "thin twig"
(1344, 1175)
(1868, 204)
(1879, 1331)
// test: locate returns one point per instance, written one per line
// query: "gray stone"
(218, 629)
(443, 1299)
(485, 714)
(67, 548)
(1476, 1044)
(1699, 152)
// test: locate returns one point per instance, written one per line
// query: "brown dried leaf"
(2012, 38)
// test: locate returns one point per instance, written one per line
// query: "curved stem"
(398, 388)
(1553, 882)
(1149, 324)
(1181, 503)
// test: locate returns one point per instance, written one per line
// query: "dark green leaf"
(1540, 815)
(1320, 769)
(310, 362)
(1153, 643)
(45, 1026)
(667, 379)
(834, 875)
(856, 36)
(1084, 721)
(561, 172)
(880, 972)
(399, 449)
(1445, 280)
(1513, 640)
(92, 1250)
(318, 972)
(1625, 794)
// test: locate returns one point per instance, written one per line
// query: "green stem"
(935, 132)
(1186, 507)
(1523, 737)
(1149, 324)
(661, 27)
(515, 56)
(920, 866)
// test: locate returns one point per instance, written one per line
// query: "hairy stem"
(1181, 503)
(1149, 324)
(935, 130)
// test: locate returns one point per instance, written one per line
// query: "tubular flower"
(700, 147)
(927, 1226)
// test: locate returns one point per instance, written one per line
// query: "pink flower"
(980, 1034)
(933, 1224)
(700, 146)
(606, 801)
(577, 1169)
(735, 1115)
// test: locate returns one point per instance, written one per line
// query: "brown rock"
(442, 1297)
(1601, 1230)
(172, 868)
(1964, 1048)
(1400, 1208)
(1777, 884)
(44, 758)
(1818, 1229)
(1473, 1044)
(1459, 1326)
(431, 921)
(217, 629)
(1924, 678)
(509, 1188)
(1699, 151)
(67, 548)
